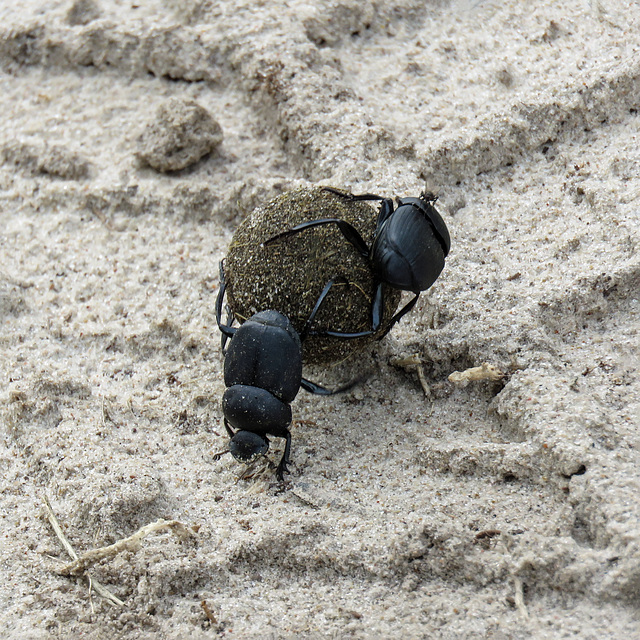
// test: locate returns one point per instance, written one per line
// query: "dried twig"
(520, 605)
(93, 583)
(132, 543)
(413, 363)
(207, 612)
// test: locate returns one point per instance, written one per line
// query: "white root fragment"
(413, 363)
(132, 543)
(484, 372)
(93, 583)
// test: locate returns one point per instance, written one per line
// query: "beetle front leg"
(407, 307)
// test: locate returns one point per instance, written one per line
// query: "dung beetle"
(263, 374)
(408, 250)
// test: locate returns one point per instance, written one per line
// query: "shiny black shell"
(411, 246)
(250, 408)
(266, 352)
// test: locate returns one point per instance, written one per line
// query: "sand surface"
(500, 509)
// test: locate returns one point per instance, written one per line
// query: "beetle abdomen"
(265, 352)
(253, 409)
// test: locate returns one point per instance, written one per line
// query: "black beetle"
(408, 250)
(263, 374)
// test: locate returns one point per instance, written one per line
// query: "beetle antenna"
(217, 456)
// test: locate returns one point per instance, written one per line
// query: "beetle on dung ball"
(408, 245)
(408, 250)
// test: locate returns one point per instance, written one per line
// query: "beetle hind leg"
(226, 329)
(285, 461)
(349, 232)
(350, 196)
(407, 307)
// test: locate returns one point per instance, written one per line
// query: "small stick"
(131, 543)
(413, 363)
(521, 606)
(97, 586)
(58, 530)
(207, 612)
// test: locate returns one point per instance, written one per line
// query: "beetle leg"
(313, 387)
(364, 334)
(282, 467)
(349, 196)
(226, 329)
(228, 428)
(377, 309)
(347, 230)
(386, 206)
(407, 307)
(225, 337)
(339, 334)
(327, 287)
(376, 320)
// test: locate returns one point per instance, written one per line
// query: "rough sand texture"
(524, 118)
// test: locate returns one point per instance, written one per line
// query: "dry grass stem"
(93, 583)
(131, 543)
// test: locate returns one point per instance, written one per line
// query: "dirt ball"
(289, 275)
(180, 133)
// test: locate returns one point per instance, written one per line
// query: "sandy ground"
(496, 510)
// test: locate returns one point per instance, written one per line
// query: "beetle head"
(246, 446)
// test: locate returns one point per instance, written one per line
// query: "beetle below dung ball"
(263, 374)
(408, 250)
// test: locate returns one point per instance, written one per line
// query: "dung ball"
(289, 275)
